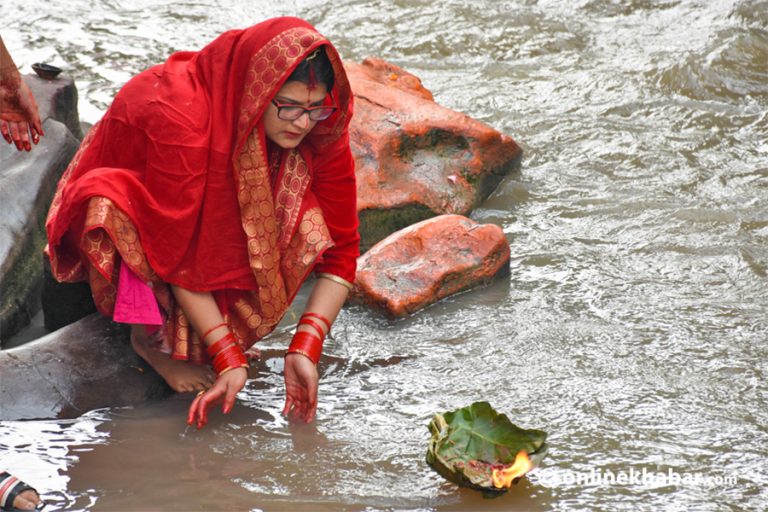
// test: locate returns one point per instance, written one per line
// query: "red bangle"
(209, 331)
(319, 317)
(307, 344)
(312, 323)
(215, 348)
(229, 358)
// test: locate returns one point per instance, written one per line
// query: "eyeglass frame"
(304, 110)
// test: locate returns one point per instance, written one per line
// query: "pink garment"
(135, 302)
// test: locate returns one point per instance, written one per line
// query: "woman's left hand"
(300, 388)
(224, 391)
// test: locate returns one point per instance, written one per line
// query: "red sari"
(177, 182)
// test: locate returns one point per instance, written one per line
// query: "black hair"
(318, 64)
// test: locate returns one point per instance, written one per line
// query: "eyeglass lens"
(315, 114)
(291, 113)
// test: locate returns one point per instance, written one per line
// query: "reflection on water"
(632, 326)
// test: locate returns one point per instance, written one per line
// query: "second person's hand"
(19, 117)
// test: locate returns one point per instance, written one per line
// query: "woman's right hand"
(224, 391)
(301, 380)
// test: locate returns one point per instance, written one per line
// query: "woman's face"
(288, 134)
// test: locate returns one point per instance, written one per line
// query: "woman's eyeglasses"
(288, 112)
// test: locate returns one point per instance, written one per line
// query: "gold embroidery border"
(76, 272)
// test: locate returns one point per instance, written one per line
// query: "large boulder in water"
(428, 261)
(27, 184)
(414, 158)
(87, 365)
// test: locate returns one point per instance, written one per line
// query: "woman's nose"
(302, 121)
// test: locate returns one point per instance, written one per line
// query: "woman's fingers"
(229, 399)
(301, 385)
(288, 406)
(198, 411)
(299, 410)
(224, 391)
(205, 404)
(312, 392)
(192, 414)
(209, 400)
(294, 409)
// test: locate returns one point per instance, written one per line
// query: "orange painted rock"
(428, 261)
(414, 158)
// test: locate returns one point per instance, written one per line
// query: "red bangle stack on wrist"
(307, 343)
(209, 331)
(319, 317)
(314, 325)
(226, 354)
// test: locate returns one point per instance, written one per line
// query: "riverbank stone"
(414, 158)
(27, 184)
(64, 303)
(57, 99)
(428, 261)
(87, 365)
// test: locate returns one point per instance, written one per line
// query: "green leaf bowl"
(468, 444)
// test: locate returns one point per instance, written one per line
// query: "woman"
(200, 202)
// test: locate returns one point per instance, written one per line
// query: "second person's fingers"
(15, 135)
(6, 132)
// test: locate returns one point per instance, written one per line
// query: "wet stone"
(87, 365)
(429, 261)
(27, 184)
(414, 158)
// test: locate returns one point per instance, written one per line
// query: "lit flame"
(503, 477)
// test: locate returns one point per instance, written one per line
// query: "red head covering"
(176, 179)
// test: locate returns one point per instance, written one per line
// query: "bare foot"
(180, 375)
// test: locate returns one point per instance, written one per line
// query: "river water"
(632, 327)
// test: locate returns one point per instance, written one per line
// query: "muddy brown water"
(632, 326)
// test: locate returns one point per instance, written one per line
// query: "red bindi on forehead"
(295, 92)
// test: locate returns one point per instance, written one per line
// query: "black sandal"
(10, 488)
